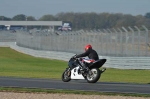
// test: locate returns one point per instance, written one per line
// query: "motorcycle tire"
(65, 76)
(94, 77)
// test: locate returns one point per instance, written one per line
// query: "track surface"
(75, 85)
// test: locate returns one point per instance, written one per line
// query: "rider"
(91, 53)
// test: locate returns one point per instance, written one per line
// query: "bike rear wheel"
(93, 76)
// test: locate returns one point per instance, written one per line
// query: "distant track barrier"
(125, 48)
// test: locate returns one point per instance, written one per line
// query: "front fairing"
(72, 63)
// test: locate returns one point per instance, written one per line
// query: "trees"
(20, 17)
(147, 15)
(3, 18)
(103, 20)
(90, 20)
(30, 18)
(47, 18)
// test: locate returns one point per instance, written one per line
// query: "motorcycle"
(85, 69)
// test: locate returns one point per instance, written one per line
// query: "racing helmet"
(88, 46)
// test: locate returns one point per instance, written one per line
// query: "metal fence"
(121, 47)
(7, 36)
(120, 42)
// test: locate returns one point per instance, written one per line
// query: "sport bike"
(82, 68)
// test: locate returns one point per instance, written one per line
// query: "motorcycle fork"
(68, 72)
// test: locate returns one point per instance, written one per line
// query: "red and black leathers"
(92, 54)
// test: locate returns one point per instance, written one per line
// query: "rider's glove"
(74, 56)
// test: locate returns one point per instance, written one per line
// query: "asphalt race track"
(75, 85)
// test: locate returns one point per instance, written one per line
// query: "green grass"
(129, 76)
(13, 63)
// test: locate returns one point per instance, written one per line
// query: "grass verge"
(53, 91)
(15, 64)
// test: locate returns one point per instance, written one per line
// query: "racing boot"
(103, 70)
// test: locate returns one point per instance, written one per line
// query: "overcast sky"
(38, 8)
